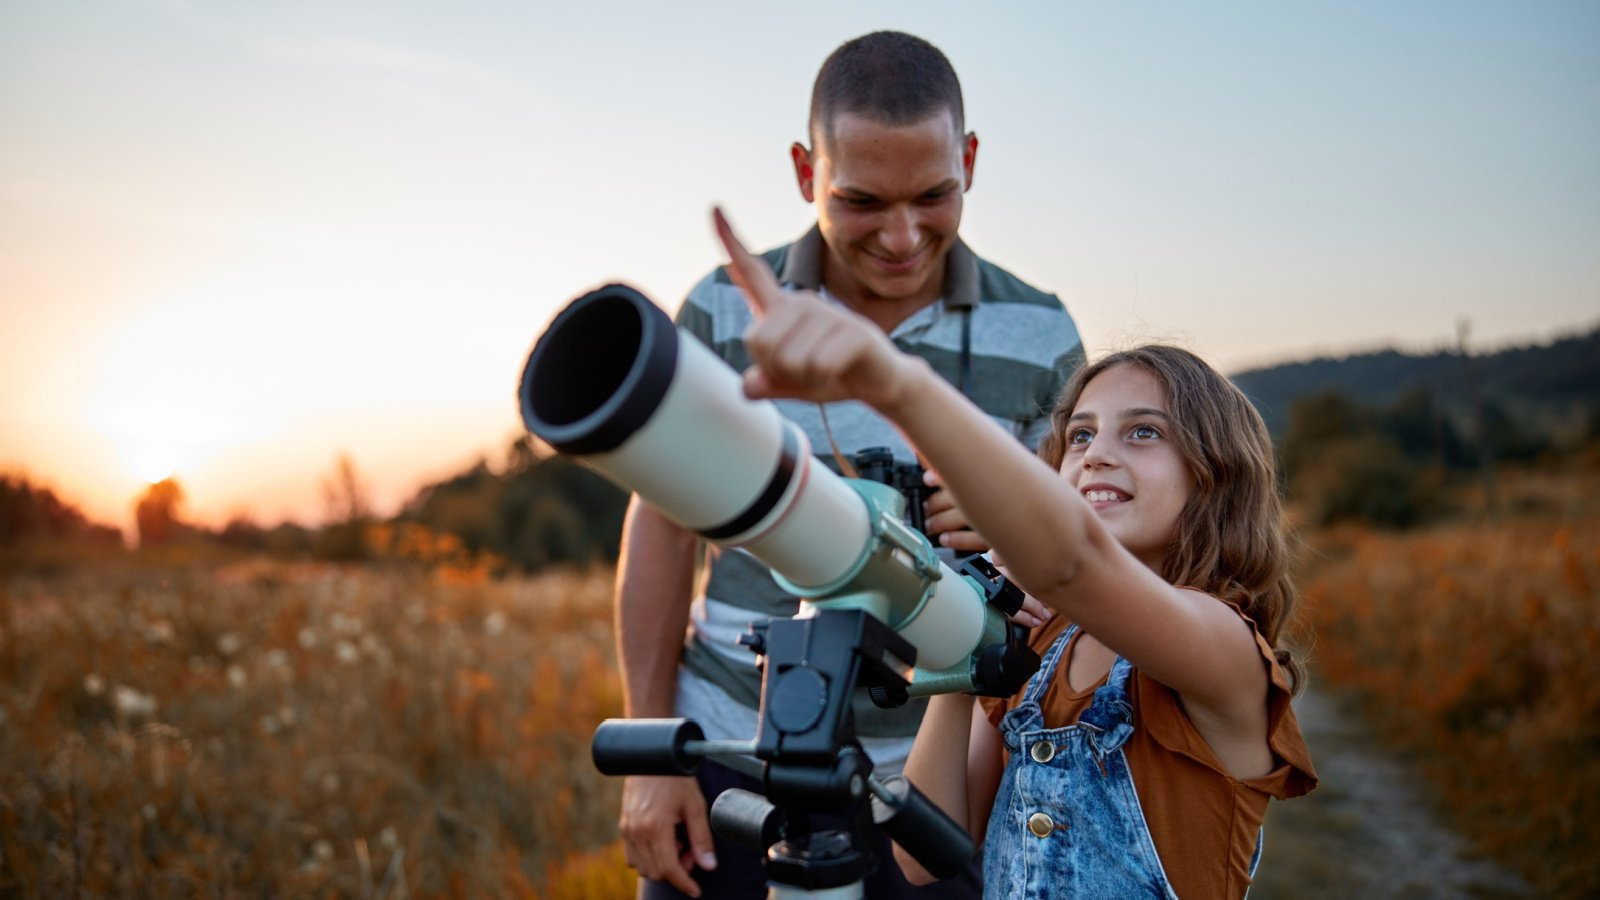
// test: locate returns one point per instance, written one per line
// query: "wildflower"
(494, 624)
(229, 644)
(94, 685)
(307, 638)
(130, 702)
(236, 676)
(346, 652)
(387, 839)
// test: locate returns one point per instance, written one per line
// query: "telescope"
(613, 383)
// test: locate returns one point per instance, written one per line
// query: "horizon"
(424, 484)
(244, 241)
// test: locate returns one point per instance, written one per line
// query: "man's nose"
(901, 233)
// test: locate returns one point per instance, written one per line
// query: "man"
(888, 167)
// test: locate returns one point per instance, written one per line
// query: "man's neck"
(886, 313)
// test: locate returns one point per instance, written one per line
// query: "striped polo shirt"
(1023, 347)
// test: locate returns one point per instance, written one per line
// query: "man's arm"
(655, 583)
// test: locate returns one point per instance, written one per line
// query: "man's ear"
(969, 157)
(804, 178)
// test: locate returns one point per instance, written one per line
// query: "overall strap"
(1047, 667)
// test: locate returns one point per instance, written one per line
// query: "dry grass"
(269, 730)
(1475, 646)
(263, 729)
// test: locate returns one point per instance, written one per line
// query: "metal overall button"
(1041, 824)
(1042, 751)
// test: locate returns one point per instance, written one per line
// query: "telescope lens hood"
(599, 372)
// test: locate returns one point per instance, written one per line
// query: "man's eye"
(1144, 433)
(861, 202)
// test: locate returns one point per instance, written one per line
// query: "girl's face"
(1121, 458)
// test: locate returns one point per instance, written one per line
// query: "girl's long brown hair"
(1229, 541)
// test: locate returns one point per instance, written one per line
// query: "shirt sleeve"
(1292, 774)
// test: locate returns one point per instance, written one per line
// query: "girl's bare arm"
(1051, 538)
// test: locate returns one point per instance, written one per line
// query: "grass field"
(268, 729)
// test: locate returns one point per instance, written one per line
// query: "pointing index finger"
(751, 273)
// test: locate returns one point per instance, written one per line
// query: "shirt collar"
(803, 268)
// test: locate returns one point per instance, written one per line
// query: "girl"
(1139, 760)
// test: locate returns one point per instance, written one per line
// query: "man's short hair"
(889, 77)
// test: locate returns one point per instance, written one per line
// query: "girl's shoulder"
(1293, 775)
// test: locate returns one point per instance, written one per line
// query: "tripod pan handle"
(645, 747)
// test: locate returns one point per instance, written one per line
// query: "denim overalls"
(1066, 820)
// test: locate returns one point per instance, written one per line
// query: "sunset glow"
(241, 241)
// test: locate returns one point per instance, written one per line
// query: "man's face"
(888, 204)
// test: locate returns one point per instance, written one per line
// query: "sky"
(239, 240)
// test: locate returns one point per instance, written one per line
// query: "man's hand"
(652, 808)
(945, 521)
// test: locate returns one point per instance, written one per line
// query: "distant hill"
(1549, 385)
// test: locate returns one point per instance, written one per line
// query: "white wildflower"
(346, 652)
(494, 624)
(236, 677)
(94, 685)
(130, 702)
(307, 637)
(229, 644)
(387, 839)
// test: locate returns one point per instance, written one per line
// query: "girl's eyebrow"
(1133, 413)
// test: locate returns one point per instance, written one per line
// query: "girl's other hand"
(1033, 612)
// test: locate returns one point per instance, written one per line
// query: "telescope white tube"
(948, 626)
(613, 383)
(708, 453)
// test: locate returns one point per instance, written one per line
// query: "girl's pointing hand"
(804, 348)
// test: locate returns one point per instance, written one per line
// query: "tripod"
(812, 762)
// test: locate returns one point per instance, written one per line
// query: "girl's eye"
(1080, 437)
(1144, 433)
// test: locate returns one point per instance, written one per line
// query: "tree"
(156, 513)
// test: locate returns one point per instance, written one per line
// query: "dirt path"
(1367, 830)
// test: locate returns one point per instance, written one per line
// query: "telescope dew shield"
(612, 383)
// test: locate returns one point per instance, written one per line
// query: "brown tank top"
(1204, 822)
